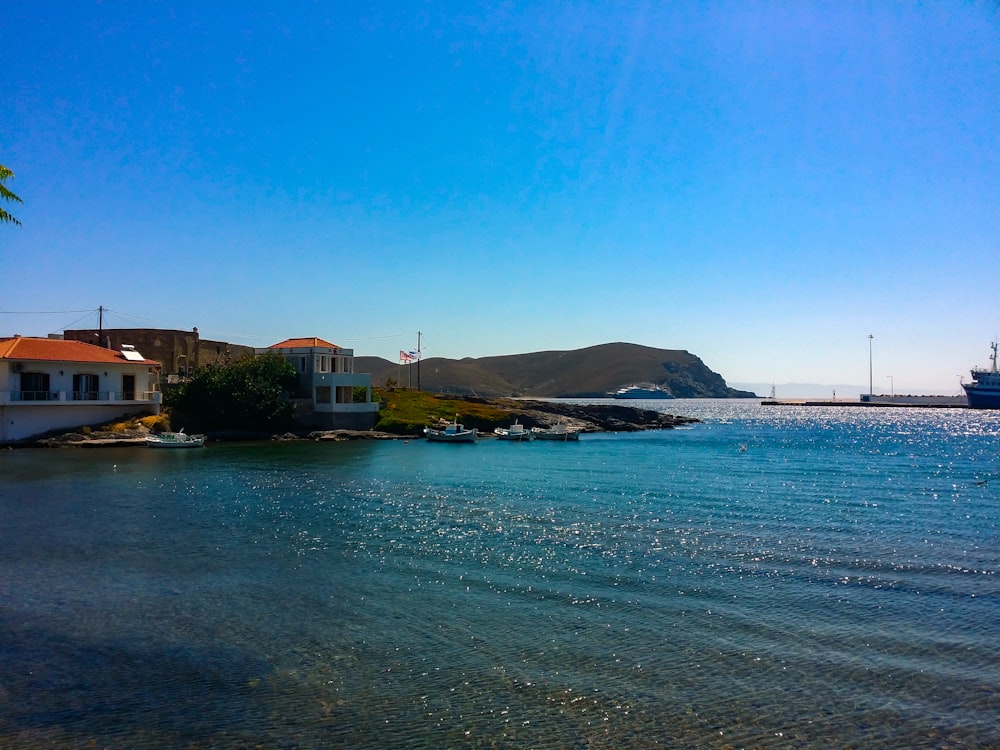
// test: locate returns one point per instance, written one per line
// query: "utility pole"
(100, 325)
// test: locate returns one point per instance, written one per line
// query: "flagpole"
(418, 360)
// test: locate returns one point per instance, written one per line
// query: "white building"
(52, 384)
(330, 394)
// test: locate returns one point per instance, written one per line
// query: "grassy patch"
(156, 423)
(407, 412)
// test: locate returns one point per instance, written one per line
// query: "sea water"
(772, 577)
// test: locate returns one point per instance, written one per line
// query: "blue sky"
(764, 185)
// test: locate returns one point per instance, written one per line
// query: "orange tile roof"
(59, 350)
(304, 344)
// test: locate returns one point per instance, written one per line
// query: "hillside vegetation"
(579, 373)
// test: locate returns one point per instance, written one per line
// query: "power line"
(175, 326)
(380, 338)
(44, 312)
(70, 325)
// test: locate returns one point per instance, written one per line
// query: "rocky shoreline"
(583, 417)
(590, 417)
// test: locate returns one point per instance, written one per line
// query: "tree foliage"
(249, 394)
(7, 195)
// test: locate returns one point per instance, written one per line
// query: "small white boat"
(558, 431)
(175, 440)
(515, 432)
(452, 433)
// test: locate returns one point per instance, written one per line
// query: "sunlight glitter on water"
(836, 582)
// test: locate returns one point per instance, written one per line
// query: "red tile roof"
(58, 350)
(304, 344)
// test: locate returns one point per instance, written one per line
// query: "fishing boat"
(175, 440)
(642, 392)
(515, 432)
(558, 431)
(453, 432)
(984, 390)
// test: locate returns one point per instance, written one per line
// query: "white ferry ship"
(642, 392)
(984, 390)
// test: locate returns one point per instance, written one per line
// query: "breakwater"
(911, 402)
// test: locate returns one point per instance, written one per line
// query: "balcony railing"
(18, 397)
(33, 395)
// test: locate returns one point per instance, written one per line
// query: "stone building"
(178, 352)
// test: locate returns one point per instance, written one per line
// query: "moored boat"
(515, 432)
(453, 432)
(558, 431)
(175, 440)
(642, 391)
(984, 390)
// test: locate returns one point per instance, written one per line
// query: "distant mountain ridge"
(591, 372)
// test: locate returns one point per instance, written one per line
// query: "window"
(323, 394)
(35, 386)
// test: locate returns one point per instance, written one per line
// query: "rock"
(592, 417)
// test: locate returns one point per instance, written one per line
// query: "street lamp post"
(870, 388)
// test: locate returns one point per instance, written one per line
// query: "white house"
(329, 392)
(52, 384)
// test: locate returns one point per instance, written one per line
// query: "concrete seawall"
(911, 402)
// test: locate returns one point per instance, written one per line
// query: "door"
(128, 387)
(85, 387)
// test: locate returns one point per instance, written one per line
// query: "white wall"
(21, 420)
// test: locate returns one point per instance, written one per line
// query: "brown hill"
(579, 373)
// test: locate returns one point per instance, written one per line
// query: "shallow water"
(772, 577)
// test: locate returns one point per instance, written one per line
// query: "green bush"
(249, 394)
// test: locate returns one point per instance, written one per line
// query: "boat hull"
(469, 437)
(173, 442)
(982, 398)
(562, 436)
